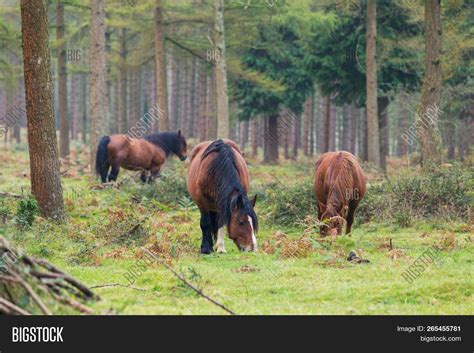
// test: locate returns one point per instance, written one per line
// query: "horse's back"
(199, 184)
(337, 169)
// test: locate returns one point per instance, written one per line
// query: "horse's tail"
(101, 165)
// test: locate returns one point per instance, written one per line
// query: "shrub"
(443, 193)
(26, 212)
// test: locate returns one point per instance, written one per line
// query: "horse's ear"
(254, 200)
(179, 132)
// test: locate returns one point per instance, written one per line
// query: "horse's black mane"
(229, 190)
(170, 142)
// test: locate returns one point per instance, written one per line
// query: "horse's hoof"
(221, 250)
(206, 251)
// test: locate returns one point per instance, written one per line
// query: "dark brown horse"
(218, 181)
(339, 185)
(147, 154)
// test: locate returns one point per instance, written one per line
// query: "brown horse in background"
(339, 185)
(147, 154)
(218, 181)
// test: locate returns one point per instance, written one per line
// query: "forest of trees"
(282, 77)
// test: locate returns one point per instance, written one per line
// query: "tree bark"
(271, 138)
(160, 60)
(308, 109)
(202, 117)
(382, 103)
(211, 107)
(346, 127)
(371, 65)
(62, 82)
(221, 73)
(296, 137)
(42, 142)
(98, 90)
(324, 128)
(84, 107)
(122, 83)
(332, 127)
(253, 129)
(427, 115)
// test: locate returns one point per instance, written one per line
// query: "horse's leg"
(104, 172)
(114, 173)
(154, 173)
(218, 234)
(206, 225)
(350, 217)
(143, 176)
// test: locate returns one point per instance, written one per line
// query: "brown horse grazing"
(147, 154)
(339, 185)
(218, 181)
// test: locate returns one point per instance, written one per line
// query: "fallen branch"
(9, 194)
(190, 285)
(117, 285)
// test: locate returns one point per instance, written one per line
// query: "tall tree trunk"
(355, 126)
(315, 112)
(450, 129)
(160, 59)
(84, 107)
(403, 125)
(62, 82)
(332, 127)
(186, 89)
(194, 106)
(363, 145)
(382, 103)
(172, 116)
(427, 114)
(324, 128)
(373, 140)
(211, 110)
(221, 73)
(285, 137)
(98, 90)
(307, 114)
(42, 142)
(75, 106)
(296, 137)
(244, 133)
(271, 138)
(122, 83)
(253, 129)
(346, 127)
(202, 117)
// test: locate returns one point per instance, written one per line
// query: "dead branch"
(190, 285)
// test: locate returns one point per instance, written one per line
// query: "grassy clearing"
(107, 227)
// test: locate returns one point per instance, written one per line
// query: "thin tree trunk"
(244, 133)
(84, 107)
(296, 137)
(332, 127)
(308, 109)
(355, 125)
(172, 116)
(254, 132)
(427, 114)
(62, 83)
(122, 83)
(211, 112)
(42, 142)
(324, 128)
(363, 147)
(271, 138)
(75, 105)
(160, 59)
(346, 127)
(371, 65)
(221, 73)
(382, 103)
(98, 90)
(203, 93)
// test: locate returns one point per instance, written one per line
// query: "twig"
(35, 297)
(117, 285)
(190, 285)
(9, 194)
(13, 307)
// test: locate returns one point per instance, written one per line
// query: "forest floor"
(108, 227)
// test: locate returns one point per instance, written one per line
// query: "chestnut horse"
(339, 185)
(218, 181)
(147, 154)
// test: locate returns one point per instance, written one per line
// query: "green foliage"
(26, 212)
(445, 193)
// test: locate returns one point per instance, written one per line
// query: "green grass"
(97, 247)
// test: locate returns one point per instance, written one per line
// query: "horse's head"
(181, 149)
(243, 223)
(334, 221)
